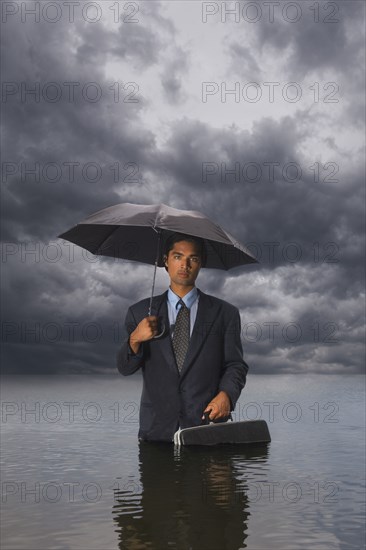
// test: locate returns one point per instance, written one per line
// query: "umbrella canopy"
(138, 232)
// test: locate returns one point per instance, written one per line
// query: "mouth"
(183, 273)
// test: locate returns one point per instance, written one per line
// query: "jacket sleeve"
(234, 369)
(129, 362)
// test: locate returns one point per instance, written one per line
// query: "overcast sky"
(254, 117)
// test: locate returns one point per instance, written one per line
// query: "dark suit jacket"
(214, 363)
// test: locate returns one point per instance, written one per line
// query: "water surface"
(74, 475)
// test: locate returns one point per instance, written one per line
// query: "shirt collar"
(188, 299)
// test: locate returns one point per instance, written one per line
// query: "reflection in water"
(187, 498)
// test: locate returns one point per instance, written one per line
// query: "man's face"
(183, 264)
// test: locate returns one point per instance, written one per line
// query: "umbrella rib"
(156, 218)
(115, 228)
(213, 244)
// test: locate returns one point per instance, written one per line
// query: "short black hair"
(178, 237)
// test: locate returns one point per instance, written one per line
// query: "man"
(186, 377)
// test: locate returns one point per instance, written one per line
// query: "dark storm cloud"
(297, 211)
(173, 74)
(135, 43)
(320, 224)
(47, 295)
(321, 37)
(243, 62)
(64, 312)
(71, 132)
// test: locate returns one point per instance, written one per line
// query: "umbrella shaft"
(155, 267)
(152, 290)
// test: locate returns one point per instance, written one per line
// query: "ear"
(165, 259)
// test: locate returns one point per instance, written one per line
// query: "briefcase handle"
(206, 420)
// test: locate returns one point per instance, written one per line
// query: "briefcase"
(247, 431)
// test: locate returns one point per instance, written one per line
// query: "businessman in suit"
(213, 373)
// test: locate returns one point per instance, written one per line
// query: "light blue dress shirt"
(191, 301)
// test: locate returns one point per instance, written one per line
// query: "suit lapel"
(160, 308)
(206, 316)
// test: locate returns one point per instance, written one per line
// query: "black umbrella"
(138, 231)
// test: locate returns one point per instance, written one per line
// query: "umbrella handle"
(162, 331)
